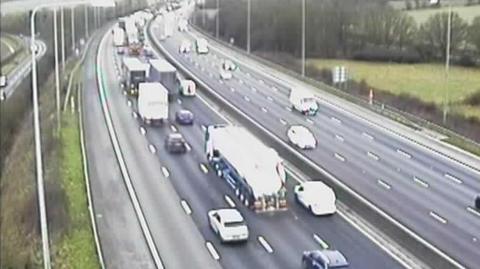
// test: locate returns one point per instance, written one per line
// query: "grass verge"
(465, 145)
(76, 249)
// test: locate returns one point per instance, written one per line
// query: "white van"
(187, 87)
(303, 101)
(317, 197)
(152, 102)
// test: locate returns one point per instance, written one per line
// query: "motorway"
(427, 193)
(277, 240)
(22, 70)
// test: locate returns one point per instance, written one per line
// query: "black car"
(477, 202)
(323, 259)
(184, 117)
(175, 143)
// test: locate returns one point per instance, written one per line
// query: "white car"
(3, 81)
(228, 224)
(185, 47)
(317, 197)
(229, 65)
(301, 137)
(187, 87)
(225, 75)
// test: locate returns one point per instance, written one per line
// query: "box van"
(303, 101)
(153, 103)
(187, 87)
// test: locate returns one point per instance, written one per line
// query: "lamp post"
(73, 27)
(447, 63)
(217, 21)
(303, 38)
(249, 15)
(36, 122)
(62, 34)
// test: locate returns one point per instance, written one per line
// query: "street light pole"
(249, 14)
(57, 76)
(62, 34)
(86, 22)
(303, 38)
(447, 63)
(217, 26)
(38, 151)
(73, 27)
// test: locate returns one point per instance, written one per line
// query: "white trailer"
(118, 37)
(134, 73)
(253, 170)
(152, 103)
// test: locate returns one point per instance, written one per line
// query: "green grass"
(424, 81)
(76, 249)
(467, 13)
(465, 145)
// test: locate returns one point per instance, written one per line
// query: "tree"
(474, 33)
(433, 34)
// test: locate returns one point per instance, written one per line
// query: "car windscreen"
(234, 224)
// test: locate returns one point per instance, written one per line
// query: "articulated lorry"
(254, 171)
(134, 72)
(152, 103)
(118, 37)
(162, 71)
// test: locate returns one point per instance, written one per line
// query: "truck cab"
(303, 101)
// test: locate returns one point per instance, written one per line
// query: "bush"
(377, 54)
(473, 99)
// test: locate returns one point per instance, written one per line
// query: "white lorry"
(134, 73)
(201, 45)
(253, 170)
(166, 25)
(152, 103)
(304, 101)
(118, 37)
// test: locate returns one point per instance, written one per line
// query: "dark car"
(323, 259)
(184, 117)
(175, 143)
(477, 202)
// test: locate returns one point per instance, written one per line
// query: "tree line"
(358, 29)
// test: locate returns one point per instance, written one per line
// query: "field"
(467, 13)
(424, 81)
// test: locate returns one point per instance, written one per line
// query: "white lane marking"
(261, 81)
(339, 138)
(186, 207)
(204, 128)
(173, 128)
(309, 120)
(204, 168)
(274, 89)
(336, 120)
(264, 110)
(420, 182)
(212, 251)
(248, 74)
(438, 217)
(179, 101)
(403, 153)
(229, 201)
(220, 81)
(373, 156)
(319, 240)
(143, 131)
(152, 148)
(254, 89)
(473, 211)
(454, 179)
(340, 157)
(134, 115)
(269, 98)
(165, 171)
(240, 81)
(246, 98)
(370, 137)
(265, 244)
(384, 184)
(232, 89)
(210, 75)
(282, 121)
(288, 108)
(129, 103)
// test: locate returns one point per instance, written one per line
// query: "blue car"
(323, 259)
(184, 117)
